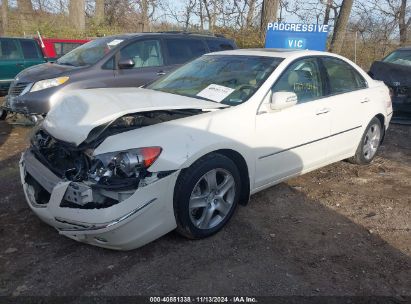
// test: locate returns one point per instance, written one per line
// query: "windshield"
(220, 78)
(89, 53)
(399, 57)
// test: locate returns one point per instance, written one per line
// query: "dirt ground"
(341, 230)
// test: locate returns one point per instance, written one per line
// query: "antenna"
(41, 40)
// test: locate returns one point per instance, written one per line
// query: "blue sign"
(296, 36)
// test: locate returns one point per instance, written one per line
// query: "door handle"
(161, 73)
(20, 64)
(365, 100)
(323, 111)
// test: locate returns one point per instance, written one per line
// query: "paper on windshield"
(215, 92)
(115, 42)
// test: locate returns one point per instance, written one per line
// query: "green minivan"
(16, 54)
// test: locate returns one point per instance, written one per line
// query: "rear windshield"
(89, 53)
(401, 57)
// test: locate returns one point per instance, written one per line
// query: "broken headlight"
(112, 166)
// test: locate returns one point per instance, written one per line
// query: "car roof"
(281, 53)
(19, 38)
(405, 48)
(169, 34)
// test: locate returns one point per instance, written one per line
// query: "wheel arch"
(242, 166)
(381, 118)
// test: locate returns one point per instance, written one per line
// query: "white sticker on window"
(115, 42)
(215, 92)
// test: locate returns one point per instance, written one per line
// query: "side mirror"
(282, 100)
(126, 63)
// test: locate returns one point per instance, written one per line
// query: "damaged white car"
(119, 168)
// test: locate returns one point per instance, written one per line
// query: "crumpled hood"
(75, 113)
(45, 71)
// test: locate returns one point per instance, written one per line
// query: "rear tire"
(369, 144)
(206, 196)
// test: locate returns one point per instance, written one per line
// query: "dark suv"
(128, 60)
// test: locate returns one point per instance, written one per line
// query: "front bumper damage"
(143, 217)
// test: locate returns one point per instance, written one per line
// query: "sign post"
(296, 36)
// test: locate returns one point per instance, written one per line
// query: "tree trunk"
(25, 9)
(99, 12)
(269, 12)
(209, 16)
(144, 16)
(402, 24)
(25, 6)
(340, 27)
(77, 14)
(250, 13)
(4, 17)
(201, 16)
(327, 11)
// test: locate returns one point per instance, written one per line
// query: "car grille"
(17, 88)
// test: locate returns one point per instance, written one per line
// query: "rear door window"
(9, 50)
(183, 50)
(216, 45)
(30, 49)
(342, 77)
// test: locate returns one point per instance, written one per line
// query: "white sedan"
(119, 168)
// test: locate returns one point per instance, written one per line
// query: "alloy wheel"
(212, 198)
(371, 141)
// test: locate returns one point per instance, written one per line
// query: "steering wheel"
(246, 86)
(239, 92)
(229, 82)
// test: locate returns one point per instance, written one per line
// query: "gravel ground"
(340, 230)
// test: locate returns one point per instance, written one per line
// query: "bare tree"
(146, 10)
(25, 9)
(212, 8)
(4, 17)
(250, 14)
(182, 15)
(403, 24)
(201, 15)
(99, 11)
(327, 11)
(77, 14)
(25, 6)
(144, 15)
(396, 12)
(340, 26)
(268, 14)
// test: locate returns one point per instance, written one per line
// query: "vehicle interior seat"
(153, 58)
(301, 83)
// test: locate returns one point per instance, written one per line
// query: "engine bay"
(112, 177)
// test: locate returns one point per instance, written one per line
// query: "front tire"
(369, 144)
(206, 196)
